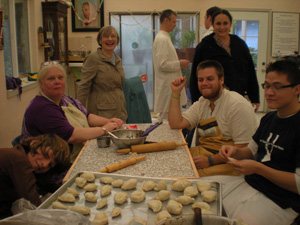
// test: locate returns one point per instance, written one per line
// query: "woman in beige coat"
(102, 77)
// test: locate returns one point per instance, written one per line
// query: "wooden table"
(176, 163)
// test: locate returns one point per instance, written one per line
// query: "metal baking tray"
(130, 210)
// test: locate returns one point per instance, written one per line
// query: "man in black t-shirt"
(271, 161)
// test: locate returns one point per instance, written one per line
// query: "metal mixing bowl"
(127, 137)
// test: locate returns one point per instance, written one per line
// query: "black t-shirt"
(278, 141)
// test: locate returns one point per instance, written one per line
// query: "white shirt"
(166, 69)
(234, 114)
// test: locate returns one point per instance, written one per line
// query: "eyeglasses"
(47, 63)
(276, 87)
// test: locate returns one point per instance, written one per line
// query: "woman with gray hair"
(53, 112)
(102, 76)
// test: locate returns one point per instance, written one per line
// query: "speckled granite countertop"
(174, 163)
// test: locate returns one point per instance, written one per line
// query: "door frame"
(269, 36)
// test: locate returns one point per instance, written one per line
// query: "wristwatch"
(104, 130)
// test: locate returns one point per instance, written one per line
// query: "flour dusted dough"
(209, 196)
(190, 191)
(100, 219)
(161, 185)
(155, 205)
(67, 197)
(148, 185)
(201, 205)
(105, 190)
(120, 198)
(180, 185)
(185, 200)
(89, 176)
(81, 209)
(73, 192)
(115, 212)
(58, 205)
(90, 197)
(102, 203)
(137, 196)
(129, 184)
(203, 185)
(162, 215)
(117, 183)
(162, 195)
(80, 182)
(90, 187)
(174, 207)
(106, 180)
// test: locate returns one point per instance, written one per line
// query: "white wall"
(12, 109)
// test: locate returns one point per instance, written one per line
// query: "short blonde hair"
(106, 30)
(59, 147)
(45, 69)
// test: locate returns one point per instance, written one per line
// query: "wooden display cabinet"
(56, 30)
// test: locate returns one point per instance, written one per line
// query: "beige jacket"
(100, 89)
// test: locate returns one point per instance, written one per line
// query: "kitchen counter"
(176, 163)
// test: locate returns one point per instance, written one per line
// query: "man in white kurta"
(167, 66)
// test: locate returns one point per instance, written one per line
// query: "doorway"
(253, 28)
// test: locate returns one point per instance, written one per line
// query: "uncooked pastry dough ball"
(115, 212)
(161, 185)
(89, 176)
(203, 185)
(137, 196)
(90, 187)
(162, 195)
(106, 180)
(102, 203)
(80, 182)
(185, 200)
(155, 205)
(174, 207)
(180, 185)
(81, 209)
(209, 196)
(67, 197)
(120, 198)
(100, 219)
(117, 183)
(129, 184)
(162, 215)
(201, 205)
(90, 197)
(190, 191)
(105, 190)
(148, 185)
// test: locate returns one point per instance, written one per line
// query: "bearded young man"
(220, 117)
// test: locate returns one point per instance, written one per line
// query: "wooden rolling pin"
(153, 147)
(121, 164)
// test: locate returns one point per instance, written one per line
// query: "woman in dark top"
(233, 53)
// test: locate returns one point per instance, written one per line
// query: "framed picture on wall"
(87, 15)
(1, 28)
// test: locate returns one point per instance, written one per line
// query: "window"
(16, 38)
(137, 32)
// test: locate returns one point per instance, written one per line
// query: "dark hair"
(287, 67)
(106, 30)
(166, 14)
(221, 11)
(211, 63)
(59, 147)
(212, 10)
